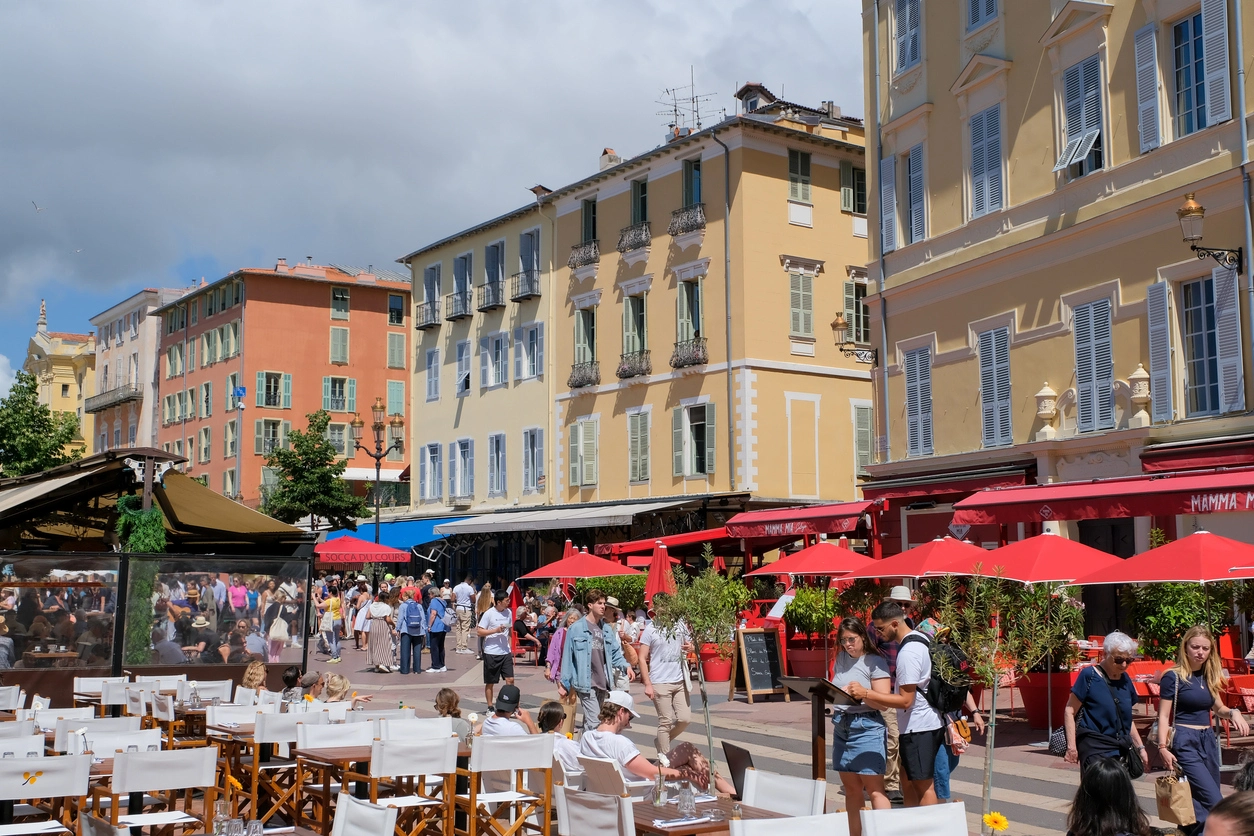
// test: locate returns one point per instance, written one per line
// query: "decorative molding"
(633, 257)
(1066, 24)
(980, 38)
(636, 286)
(920, 112)
(905, 82)
(697, 236)
(800, 264)
(588, 271)
(691, 270)
(970, 76)
(801, 348)
(1094, 464)
(857, 272)
(583, 301)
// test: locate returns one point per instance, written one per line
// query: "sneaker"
(443, 670)
(334, 660)
(433, 670)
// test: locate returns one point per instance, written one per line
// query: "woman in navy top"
(1103, 697)
(1193, 688)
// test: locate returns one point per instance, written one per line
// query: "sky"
(148, 143)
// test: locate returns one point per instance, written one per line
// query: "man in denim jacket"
(590, 656)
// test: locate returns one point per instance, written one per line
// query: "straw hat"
(900, 594)
(200, 622)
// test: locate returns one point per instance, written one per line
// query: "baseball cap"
(389, 577)
(507, 699)
(622, 699)
(309, 680)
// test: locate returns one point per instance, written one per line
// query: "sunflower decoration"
(309, 698)
(30, 777)
(996, 822)
(233, 783)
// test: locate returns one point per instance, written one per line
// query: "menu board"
(757, 665)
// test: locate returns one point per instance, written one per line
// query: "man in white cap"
(888, 648)
(608, 741)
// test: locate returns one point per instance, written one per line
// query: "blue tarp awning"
(399, 534)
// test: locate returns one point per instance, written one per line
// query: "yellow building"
(64, 367)
(1041, 316)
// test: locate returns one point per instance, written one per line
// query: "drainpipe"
(1245, 161)
(187, 322)
(551, 474)
(731, 413)
(239, 408)
(879, 155)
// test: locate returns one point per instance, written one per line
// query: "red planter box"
(1032, 688)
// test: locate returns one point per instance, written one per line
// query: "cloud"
(6, 376)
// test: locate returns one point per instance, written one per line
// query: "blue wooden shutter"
(1083, 328)
(351, 387)
(518, 354)
(888, 204)
(916, 194)
(1146, 50)
(1215, 61)
(677, 441)
(470, 466)
(1162, 380)
(287, 391)
(540, 350)
(326, 394)
(483, 363)
(539, 463)
(528, 450)
(424, 487)
(1103, 365)
(452, 469)
(711, 433)
(438, 481)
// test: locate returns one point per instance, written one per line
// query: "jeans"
(411, 648)
(591, 703)
(1197, 750)
(437, 649)
(333, 638)
(946, 763)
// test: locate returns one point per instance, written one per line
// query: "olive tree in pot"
(810, 614)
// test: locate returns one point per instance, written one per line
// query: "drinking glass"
(256, 828)
(28, 754)
(8, 755)
(152, 747)
(132, 748)
(235, 827)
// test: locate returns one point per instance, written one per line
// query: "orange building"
(242, 361)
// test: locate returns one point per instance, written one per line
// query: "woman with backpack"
(436, 629)
(411, 621)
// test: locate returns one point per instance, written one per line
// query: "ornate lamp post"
(1191, 215)
(397, 439)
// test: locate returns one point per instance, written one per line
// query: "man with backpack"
(411, 623)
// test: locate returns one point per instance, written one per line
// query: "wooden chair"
(354, 817)
(514, 756)
(832, 824)
(414, 728)
(164, 777)
(66, 728)
(272, 781)
(419, 777)
(936, 820)
(87, 689)
(580, 813)
(784, 794)
(174, 729)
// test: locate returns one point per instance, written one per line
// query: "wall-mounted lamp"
(1191, 215)
(840, 330)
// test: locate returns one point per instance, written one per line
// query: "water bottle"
(195, 699)
(687, 800)
(220, 818)
(659, 790)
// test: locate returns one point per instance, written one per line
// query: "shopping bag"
(570, 707)
(1175, 800)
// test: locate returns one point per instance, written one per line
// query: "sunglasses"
(850, 639)
(1122, 660)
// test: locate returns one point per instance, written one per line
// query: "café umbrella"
(580, 565)
(920, 560)
(1202, 557)
(661, 578)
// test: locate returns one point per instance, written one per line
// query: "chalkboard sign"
(756, 664)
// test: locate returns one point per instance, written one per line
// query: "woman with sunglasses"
(859, 733)
(1098, 717)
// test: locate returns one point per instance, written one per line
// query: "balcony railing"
(581, 255)
(113, 397)
(634, 364)
(584, 374)
(427, 315)
(335, 404)
(269, 445)
(457, 305)
(689, 219)
(492, 295)
(690, 353)
(525, 285)
(634, 237)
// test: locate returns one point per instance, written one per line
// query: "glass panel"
(1201, 354)
(57, 617)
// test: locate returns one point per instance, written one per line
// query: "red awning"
(943, 484)
(688, 543)
(838, 518)
(641, 561)
(1137, 496)
(353, 550)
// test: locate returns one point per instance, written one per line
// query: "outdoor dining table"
(644, 813)
(47, 658)
(193, 719)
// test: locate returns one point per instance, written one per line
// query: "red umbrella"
(568, 550)
(824, 559)
(643, 561)
(1201, 557)
(352, 550)
(515, 598)
(1045, 558)
(720, 565)
(580, 565)
(917, 562)
(660, 579)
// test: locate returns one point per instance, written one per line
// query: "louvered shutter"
(539, 463)
(576, 465)
(1103, 365)
(191, 357)
(913, 445)
(1073, 111)
(452, 470)
(803, 301)
(518, 354)
(528, 453)
(581, 338)
(286, 430)
(540, 350)
(642, 444)
(326, 394)
(491, 264)
(1228, 340)
(916, 194)
(1001, 376)
(261, 388)
(846, 186)
(438, 481)
(526, 247)
(988, 390)
(589, 452)
(862, 441)
(711, 435)
(979, 180)
(502, 459)
(424, 487)
(483, 363)
(1146, 48)
(208, 398)
(1083, 327)
(794, 280)
(633, 448)
(628, 330)
(287, 391)
(492, 465)
(1215, 61)
(351, 387)
(992, 156)
(1158, 304)
(925, 401)
(259, 431)
(683, 316)
(902, 22)
(677, 441)
(851, 312)
(396, 397)
(888, 204)
(794, 175)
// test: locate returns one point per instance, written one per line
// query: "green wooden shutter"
(589, 447)
(862, 431)
(287, 428)
(575, 465)
(633, 448)
(259, 431)
(710, 434)
(851, 312)
(351, 394)
(795, 302)
(208, 398)
(396, 397)
(807, 304)
(642, 444)
(677, 441)
(326, 394)
(629, 342)
(846, 186)
(261, 389)
(287, 391)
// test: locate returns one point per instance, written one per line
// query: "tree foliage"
(812, 612)
(1163, 612)
(628, 589)
(141, 532)
(309, 479)
(708, 603)
(32, 436)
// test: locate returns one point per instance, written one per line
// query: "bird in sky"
(38, 208)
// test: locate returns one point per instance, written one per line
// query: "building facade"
(126, 408)
(63, 364)
(243, 360)
(1042, 317)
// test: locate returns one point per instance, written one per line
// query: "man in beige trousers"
(464, 608)
(663, 659)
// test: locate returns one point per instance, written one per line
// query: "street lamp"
(1191, 215)
(397, 439)
(840, 329)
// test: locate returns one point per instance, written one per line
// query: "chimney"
(281, 267)
(609, 159)
(540, 191)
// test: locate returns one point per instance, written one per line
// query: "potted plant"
(1163, 612)
(810, 614)
(1046, 618)
(709, 604)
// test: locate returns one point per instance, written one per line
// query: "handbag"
(1175, 800)
(1058, 741)
(570, 707)
(327, 622)
(1128, 756)
(278, 630)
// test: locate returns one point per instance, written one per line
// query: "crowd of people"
(65, 620)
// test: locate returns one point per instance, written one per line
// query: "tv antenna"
(683, 104)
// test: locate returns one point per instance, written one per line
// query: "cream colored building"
(63, 363)
(1042, 318)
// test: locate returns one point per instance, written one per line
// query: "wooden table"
(193, 720)
(644, 813)
(50, 658)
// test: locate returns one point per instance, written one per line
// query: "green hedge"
(628, 589)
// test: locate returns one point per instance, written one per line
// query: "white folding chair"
(832, 824)
(22, 727)
(354, 817)
(276, 777)
(12, 697)
(137, 702)
(31, 746)
(87, 689)
(245, 696)
(208, 690)
(415, 728)
(324, 735)
(170, 773)
(423, 774)
(221, 715)
(605, 776)
(106, 744)
(39, 703)
(580, 813)
(936, 820)
(164, 681)
(514, 756)
(380, 714)
(66, 727)
(47, 718)
(93, 826)
(113, 692)
(337, 712)
(265, 697)
(784, 794)
(164, 718)
(59, 780)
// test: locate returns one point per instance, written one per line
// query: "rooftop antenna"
(683, 103)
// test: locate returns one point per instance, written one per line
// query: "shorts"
(918, 753)
(497, 666)
(860, 743)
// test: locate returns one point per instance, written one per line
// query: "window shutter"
(396, 397)
(794, 175)
(862, 437)
(528, 452)
(888, 203)
(261, 388)
(470, 467)
(483, 363)
(438, 481)
(916, 194)
(807, 304)
(589, 452)
(452, 470)
(925, 400)
(502, 459)
(1103, 366)
(540, 350)
(979, 181)
(1146, 48)
(633, 448)
(191, 357)
(326, 394)
(539, 463)
(1073, 110)
(518, 354)
(287, 391)
(913, 40)
(992, 156)
(919, 402)
(1215, 62)
(677, 441)
(575, 464)
(208, 398)
(1158, 302)
(683, 314)
(988, 390)
(351, 394)
(642, 444)
(424, 487)
(795, 302)
(287, 428)
(627, 330)
(912, 403)
(804, 160)
(902, 22)
(1228, 340)
(1083, 327)
(711, 433)
(1001, 377)
(851, 313)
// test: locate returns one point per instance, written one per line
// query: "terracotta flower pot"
(808, 663)
(716, 670)
(1032, 688)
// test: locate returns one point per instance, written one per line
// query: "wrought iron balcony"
(690, 353)
(457, 305)
(117, 395)
(427, 315)
(634, 364)
(335, 404)
(581, 255)
(634, 237)
(492, 295)
(525, 285)
(584, 374)
(269, 445)
(689, 219)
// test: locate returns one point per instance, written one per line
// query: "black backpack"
(951, 674)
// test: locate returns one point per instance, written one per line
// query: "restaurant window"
(61, 618)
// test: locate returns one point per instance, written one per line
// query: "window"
(396, 309)
(65, 390)
(863, 437)
(1190, 75)
(852, 188)
(339, 346)
(396, 351)
(857, 317)
(210, 307)
(194, 307)
(337, 437)
(980, 12)
(274, 390)
(205, 444)
(228, 483)
(639, 201)
(528, 352)
(533, 460)
(117, 440)
(463, 367)
(986, 191)
(131, 432)
(493, 361)
(339, 394)
(461, 469)
(638, 446)
(907, 23)
(461, 273)
(430, 472)
(799, 176)
(529, 251)
(1082, 91)
(589, 219)
(496, 465)
(339, 303)
(431, 282)
(230, 439)
(173, 362)
(1201, 352)
(915, 226)
(583, 452)
(692, 440)
(692, 182)
(918, 365)
(494, 263)
(396, 397)
(801, 286)
(634, 338)
(208, 347)
(433, 374)
(104, 376)
(994, 349)
(269, 435)
(135, 322)
(586, 335)
(1094, 367)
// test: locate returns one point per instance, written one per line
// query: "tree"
(32, 436)
(308, 471)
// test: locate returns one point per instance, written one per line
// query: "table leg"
(462, 785)
(6, 812)
(361, 789)
(818, 725)
(135, 806)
